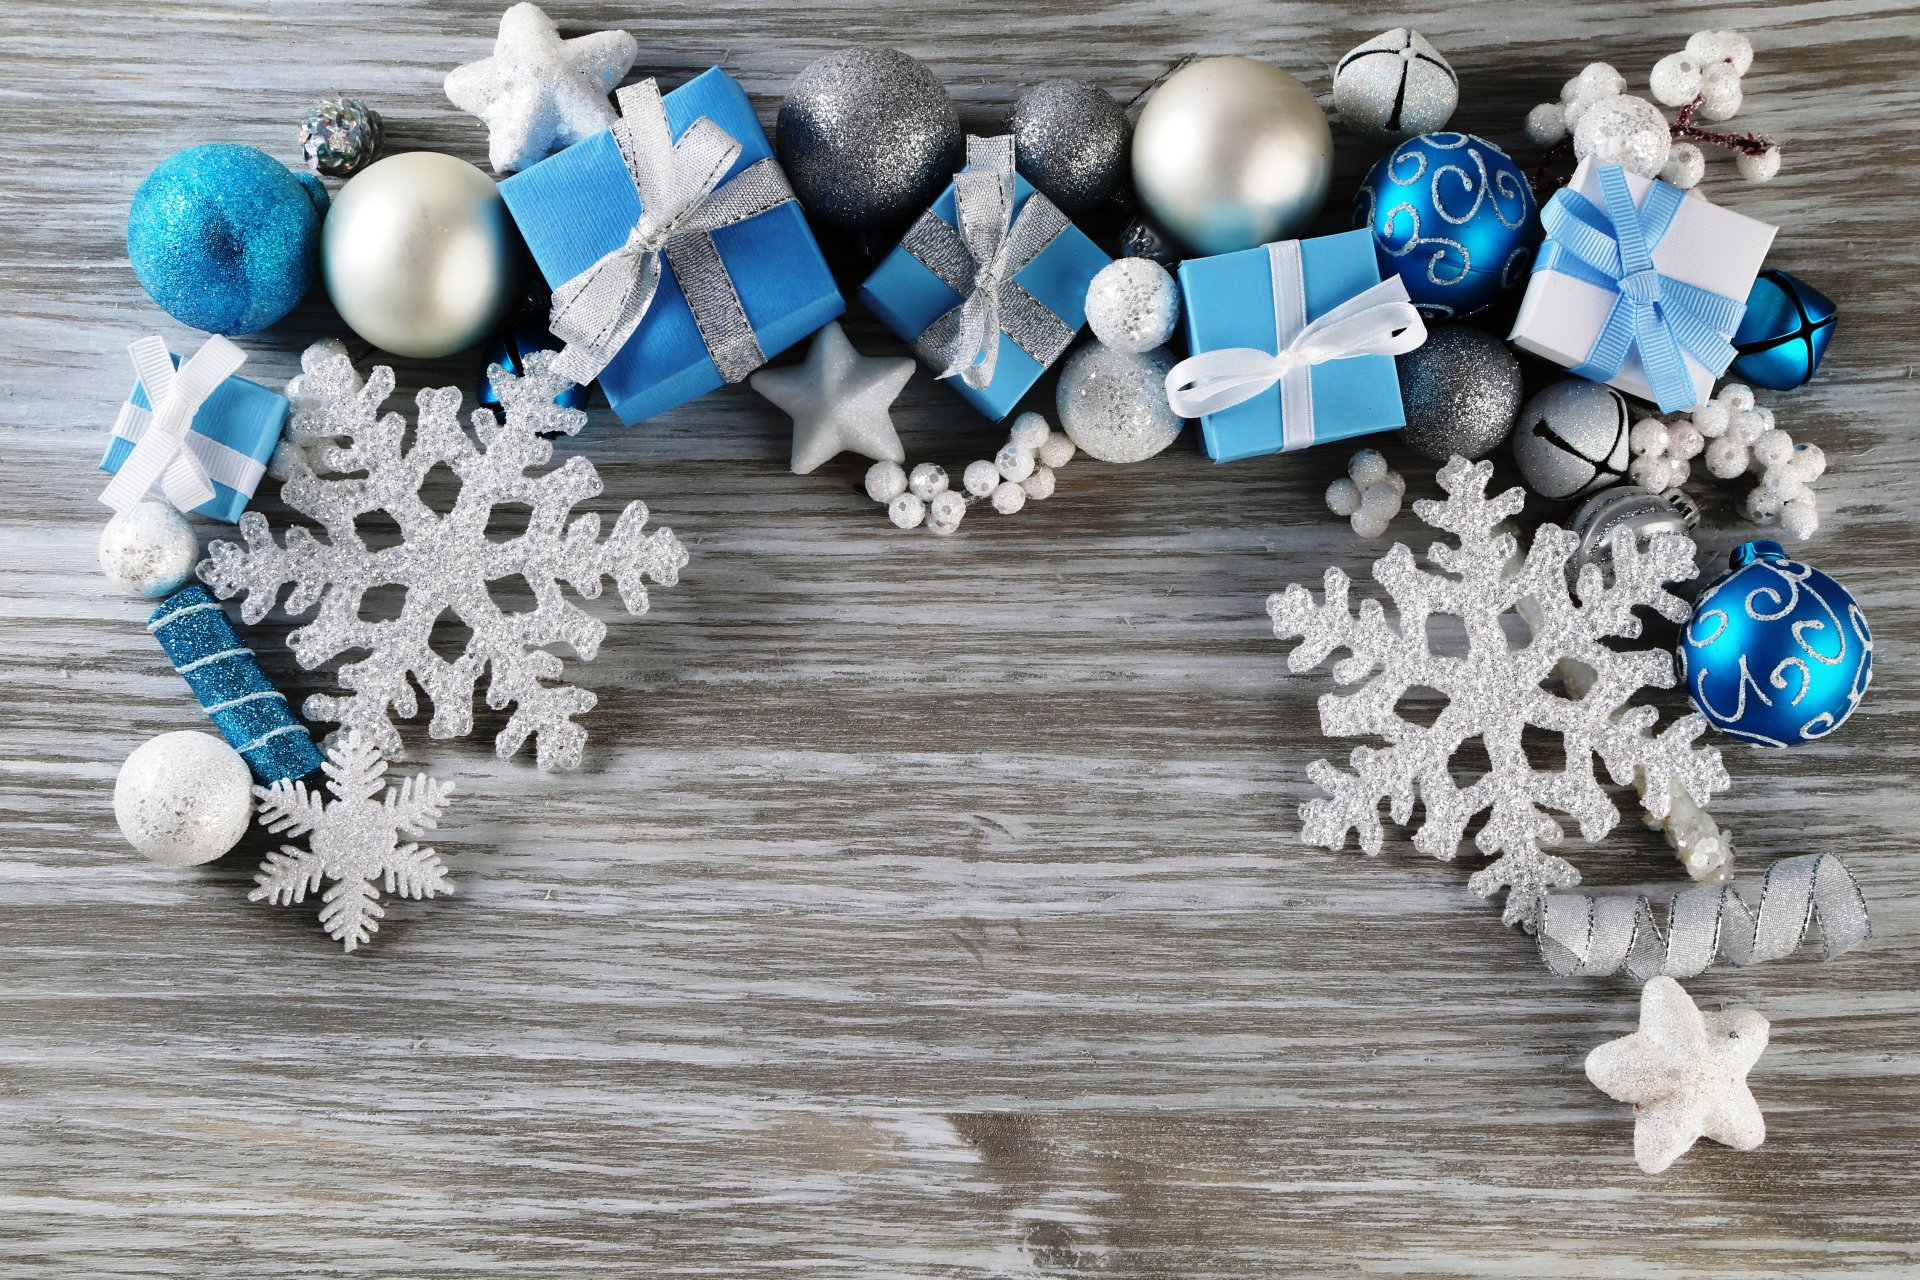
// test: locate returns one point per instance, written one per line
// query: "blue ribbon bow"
(1664, 318)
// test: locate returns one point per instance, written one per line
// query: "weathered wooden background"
(927, 908)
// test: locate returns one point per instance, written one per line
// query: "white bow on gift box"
(165, 450)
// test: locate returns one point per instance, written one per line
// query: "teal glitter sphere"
(225, 238)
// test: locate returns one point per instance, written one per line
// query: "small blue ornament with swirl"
(1777, 653)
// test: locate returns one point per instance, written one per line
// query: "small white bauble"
(149, 549)
(1675, 80)
(1624, 130)
(1547, 123)
(906, 510)
(927, 481)
(183, 798)
(1013, 462)
(1760, 168)
(945, 512)
(981, 478)
(1057, 452)
(1114, 403)
(1686, 165)
(1133, 304)
(1009, 498)
(1030, 432)
(1343, 496)
(1596, 80)
(1039, 485)
(1720, 93)
(886, 481)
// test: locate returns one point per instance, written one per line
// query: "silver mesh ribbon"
(682, 202)
(978, 260)
(1589, 935)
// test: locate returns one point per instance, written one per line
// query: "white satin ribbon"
(1381, 321)
(161, 452)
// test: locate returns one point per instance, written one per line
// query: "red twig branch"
(1752, 144)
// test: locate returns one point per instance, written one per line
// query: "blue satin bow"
(1612, 248)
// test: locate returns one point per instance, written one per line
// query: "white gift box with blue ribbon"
(1640, 286)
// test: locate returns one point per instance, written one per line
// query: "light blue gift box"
(1229, 303)
(576, 207)
(907, 296)
(233, 435)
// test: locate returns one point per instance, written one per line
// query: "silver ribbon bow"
(978, 260)
(682, 201)
(161, 453)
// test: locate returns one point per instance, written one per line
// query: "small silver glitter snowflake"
(445, 564)
(1495, 691)
(354, 840)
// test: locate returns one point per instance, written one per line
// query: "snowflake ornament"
(1496, 691)
(354, 841)
(444, 563)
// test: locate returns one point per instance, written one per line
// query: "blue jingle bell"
(1777, 653)
(1784, 332)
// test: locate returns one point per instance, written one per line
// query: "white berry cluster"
(1024, 468)
(1608, 124)
(1369, 496)
(1737, 438)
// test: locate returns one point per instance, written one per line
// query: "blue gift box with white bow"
(1292, 345)
(759, 277)
(995, 350)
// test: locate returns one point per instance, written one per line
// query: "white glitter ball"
(1686, 165)
(1675, 79)
(981, 478)
(1800, 518)
(1722, 46)
(1649, 435)
(1368, 466)
(1114, 403)
(907, 510)
(1720, 93)
(944, 513)
(1596, 80)
(149, 550)
(183, 798)
(1343, 497)
(1712, 419)
(1684, 441)
(1013, 462)
(886, 481)
(1057, 452)
(1547, 123)
(1726, 458)
(1009, 498)
(1760, 168)
(1039, 485)
(927, 481)
(1772, 448)
(1624, 130)
(1736, 396)
(1030, 432)
(1809, 462)
(1133, 305)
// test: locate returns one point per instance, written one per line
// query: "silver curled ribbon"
(978, 259)
(1379, 321)
(1592, 935)
(682, 202)
(161, 450)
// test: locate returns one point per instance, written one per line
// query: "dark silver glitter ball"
(1071, 142)
(868, 137)
(1461, 390)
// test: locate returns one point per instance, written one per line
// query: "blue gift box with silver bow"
(989, 286)
(678, 257)
(1293, 345)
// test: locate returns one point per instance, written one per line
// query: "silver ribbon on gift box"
(978, 259)
(682, 202)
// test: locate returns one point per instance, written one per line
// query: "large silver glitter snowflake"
(445, 564)
(353, 840)
(1495, 691)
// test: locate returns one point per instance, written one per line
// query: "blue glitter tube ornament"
(1784, 332)
(221, 670)
(1777, 653)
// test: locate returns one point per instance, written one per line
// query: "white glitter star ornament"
(1495, 691)
(1685, 1073)
(445, 563)
(539, 93)
(838, 400)
(354, 841)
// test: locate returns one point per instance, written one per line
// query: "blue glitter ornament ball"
(1784, 332)
(1454, 217)
(225, 238)
(1777, 653)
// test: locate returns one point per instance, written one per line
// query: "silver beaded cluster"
(1735, 437)
(1370, 494)
(1022, 470)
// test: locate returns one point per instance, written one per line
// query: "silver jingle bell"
(1625, 506)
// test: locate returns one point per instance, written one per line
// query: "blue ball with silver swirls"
(1454, 217)
(1783, 333)
(1777, 652)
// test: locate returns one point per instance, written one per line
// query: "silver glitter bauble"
(1113, 404)
(1460, 389)
(1141, 239)
(1070, 139)
(149, 550)
(1394, 86)
(1133, 305)
(1571, 439)
(419, 255)
(183, 798)
(868, 137)
(1230, 153)
(1624, 130)
(1626, 506)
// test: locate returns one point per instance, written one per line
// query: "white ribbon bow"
(1380, 321)
(161, 452)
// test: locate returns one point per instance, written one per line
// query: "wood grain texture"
(927, 908)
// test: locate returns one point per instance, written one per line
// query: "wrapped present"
(678, 256)
(1293, 345)
(990, 284)
(194, 433)
(1638, 286)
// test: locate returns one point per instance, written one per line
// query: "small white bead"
(1626, 131)
(1726, 458)
(1368, 526)
(1809, 462)
(906, 510)
(927, 481)
(1684, 441)
(1678, 473)
(1712, 418)
(1547, 123)
(1772, 448)
(1369, 466)
(1009, 498)
(1748, 425)
(1649, 435)
(1381, 500)
(945, 511)
(1762, 505)
(1649, 471)
(1057, 452)
(1013, 462)
(980, 478)
(1686, 165)
(1030, 432)
(1800, 518)
(1675, 79)
(1596, 80)
(1784, 485)
(886, 481)
(1758, 168)
(1343, 497)
(1736, 396)
(1720, 93)
(1039, 485)
(1707, 46)
(1739, 51)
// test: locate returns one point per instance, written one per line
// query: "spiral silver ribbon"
(1589, 935)
(978, 260)
(682, 202)
(163, 452)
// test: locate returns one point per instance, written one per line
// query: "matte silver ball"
(1460, 389)
(183, 798)
(419, 255)
(1394, 86)
(1113, 404)
(1071, 142)
(1571, 439)
(868, 137)
(1230, 153)
(149, 550)
(1133, 305)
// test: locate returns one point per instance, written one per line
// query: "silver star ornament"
(838, 400)
(538, 92)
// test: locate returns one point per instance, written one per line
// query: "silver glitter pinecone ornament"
(1460, 389)
(340, 137)
(1133, 305)
(1113, 404)
(1070, 138)
(1571, 439)
(868, 137)
(1394, 86)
